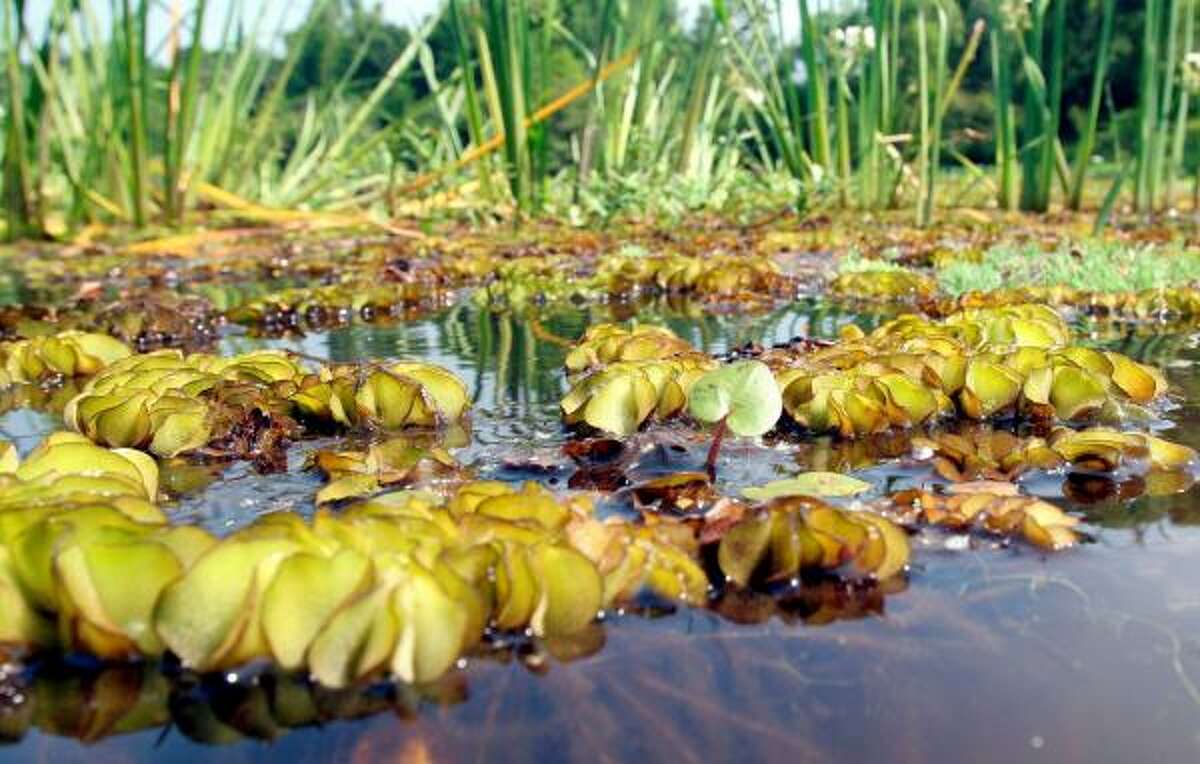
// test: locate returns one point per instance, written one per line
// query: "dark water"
(988, 654)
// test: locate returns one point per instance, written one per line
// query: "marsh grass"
(100, 128)
(855, 262)
(1090, 265)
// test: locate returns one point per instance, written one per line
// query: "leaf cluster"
(66, 354)
(976, 364)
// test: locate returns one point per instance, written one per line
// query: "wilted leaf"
(1038, 521)
(794, 534)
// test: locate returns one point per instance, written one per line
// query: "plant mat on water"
(406, 582)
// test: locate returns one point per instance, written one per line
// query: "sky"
(292, 12)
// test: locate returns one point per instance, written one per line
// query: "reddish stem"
(710, 464)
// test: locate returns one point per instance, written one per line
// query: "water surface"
(989, 653)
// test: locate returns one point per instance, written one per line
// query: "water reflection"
(89, 702)
(993, 657)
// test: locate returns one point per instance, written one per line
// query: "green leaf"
(432, 627)
(348, 487)
(181, 431)
(571, 590)
(9, 458)
(203, 615)
(1076, 393)
(358, 639)
(112, 615)
(721, 11)
(744, 394)
(308, 589)
(743, 548)
(622, 405)
(821, 484)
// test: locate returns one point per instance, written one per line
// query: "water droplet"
(1037, 741)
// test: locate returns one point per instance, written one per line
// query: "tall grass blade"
(18, 202)
(812, 50)
(1147, 108)
(1179, 137)
(179, 133)
(134, 47)
(1087, 140)
(462, 47)
(938, 99)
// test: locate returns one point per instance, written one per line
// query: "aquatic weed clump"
(975, 364)
(711, 277)
(67, 354)
(248, 406)
(170, 403)
(911, 371)
(402, 583)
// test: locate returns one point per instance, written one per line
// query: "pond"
(987, 651)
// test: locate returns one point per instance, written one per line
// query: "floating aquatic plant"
(407, 581)
(821, 484)
(713, 277)
(315, 307)
(890, 284)
(66, 354)
(1106, 450)
(742, 397)
(972, 329)
(621, 397)
(529, 281)
(1154, 304)
(999, 455)
(169, 403)
(388, 463)
(394, 583)
(603, 344)
(978, 364)
(66, 463)
(404, 582)
(790, 535)
(393, 396)
(997, 509)
(631, 559)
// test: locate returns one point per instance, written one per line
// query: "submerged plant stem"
(710, 463)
